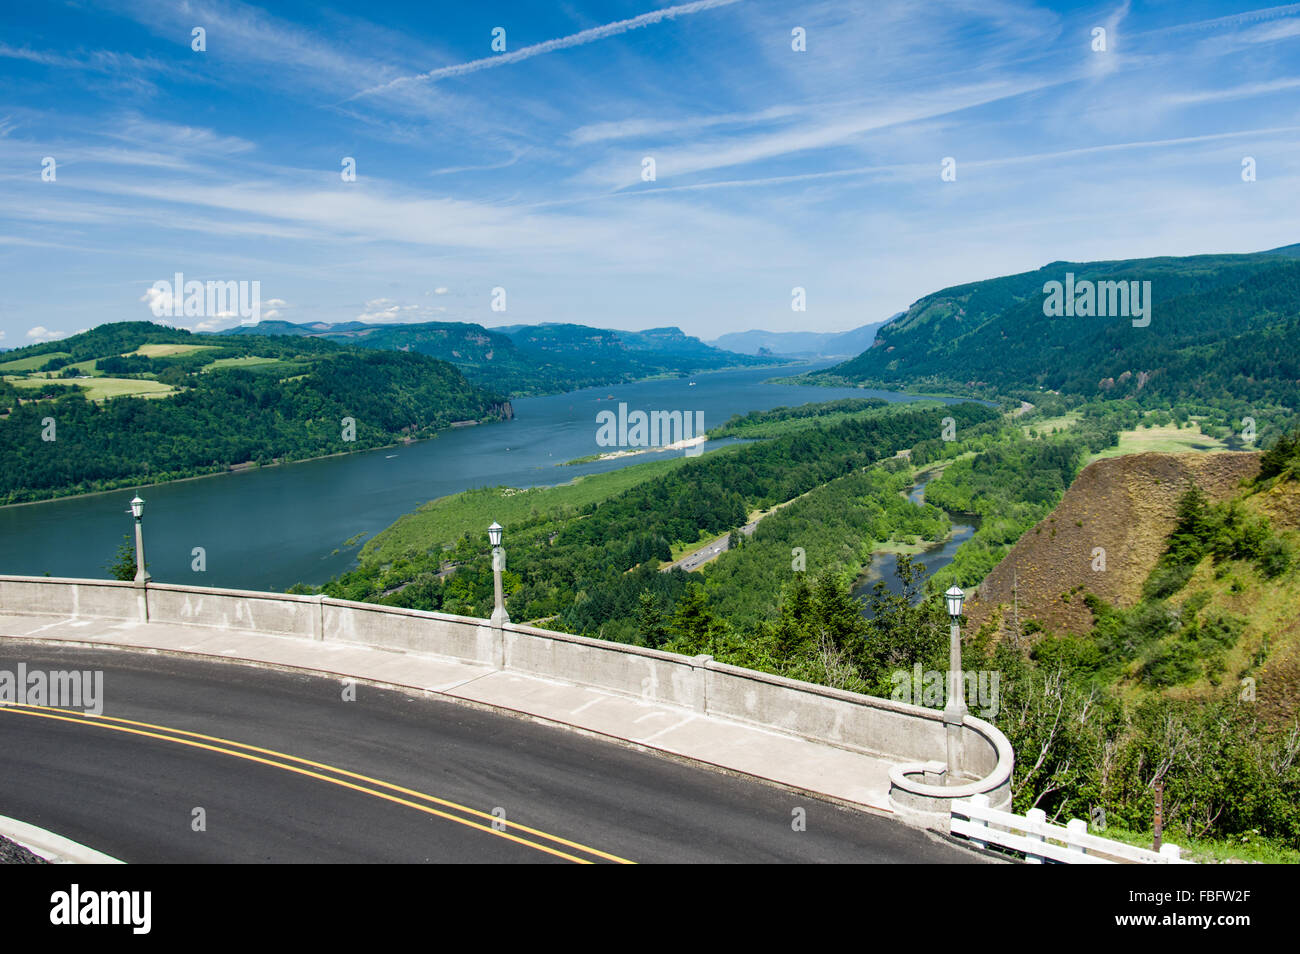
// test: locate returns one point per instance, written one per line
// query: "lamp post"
(499, 615)
(954, 711)
(137, 510)
(142, 576)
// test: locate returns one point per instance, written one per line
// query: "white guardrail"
(1042, 841)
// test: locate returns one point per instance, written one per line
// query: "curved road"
(285, 770)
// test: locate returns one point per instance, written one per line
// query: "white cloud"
(160, 300)
(41, 334)
(98, 61)
(440, 291)
(1245, 91)
(214, 324)
(703, 156)
(1105, 62)
(381, 310)
(172, 138)
(389, 311)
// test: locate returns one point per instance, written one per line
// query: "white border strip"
(53, 848)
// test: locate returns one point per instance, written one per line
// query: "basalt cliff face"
(1104, 537)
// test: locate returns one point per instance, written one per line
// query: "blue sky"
(478, 169)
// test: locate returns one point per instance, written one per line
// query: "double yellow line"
(499, 827)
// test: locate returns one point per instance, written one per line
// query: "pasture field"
(168, 350)
(247, 361)
(30, 364)
(1064, 422)
(99, 389)
(1165, 439)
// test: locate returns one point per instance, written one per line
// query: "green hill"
(135, 402)
(1177, 656)
(1221, 332)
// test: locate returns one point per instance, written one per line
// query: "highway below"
(285, 770)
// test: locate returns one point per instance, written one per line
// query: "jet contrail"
(561, 43)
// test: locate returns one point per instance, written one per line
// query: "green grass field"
(30, 364)
(168, 350)
(248, 361)
(97, 389)
(1166, 439)
(1046, 425)
(1254, 850)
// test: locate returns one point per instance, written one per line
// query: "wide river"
(268, 528)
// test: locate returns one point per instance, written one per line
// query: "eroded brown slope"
(1123, 505)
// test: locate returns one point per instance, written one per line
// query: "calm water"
(933, 558)
(270, 528)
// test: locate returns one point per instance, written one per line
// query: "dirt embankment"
(1117, 514)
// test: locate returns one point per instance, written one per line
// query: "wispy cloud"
(660, 128)
(623, 171)
(775, 167)
(1244, 91)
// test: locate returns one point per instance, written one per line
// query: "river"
(933, 558)
(268, 528)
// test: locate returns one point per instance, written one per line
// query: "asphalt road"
(395, 778)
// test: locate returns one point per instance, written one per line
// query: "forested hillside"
(1187, 672)
(136, 402)
(1221, 333)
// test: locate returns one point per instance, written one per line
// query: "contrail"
(1264, 13)
(561, 43)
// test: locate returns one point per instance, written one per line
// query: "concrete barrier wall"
(912, 735)
(633, 670)
(862, 723)
(278, 614)
(41, 595)
(386, 627)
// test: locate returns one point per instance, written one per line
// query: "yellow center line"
(340, 771)
(103, 722)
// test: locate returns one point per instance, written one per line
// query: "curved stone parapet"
(921, 793)
(911, 735)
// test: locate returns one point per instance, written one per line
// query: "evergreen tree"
(123, 565)
(650, 623)
(901, 634)
(693, 626)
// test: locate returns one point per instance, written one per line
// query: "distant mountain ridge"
(530, 359)
(803, 343)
